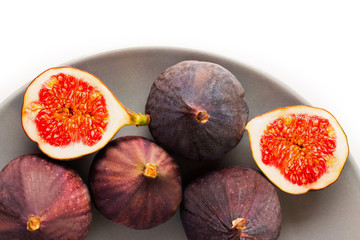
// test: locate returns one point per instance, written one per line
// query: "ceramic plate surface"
(332, 213)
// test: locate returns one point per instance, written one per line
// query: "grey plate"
(332, 213)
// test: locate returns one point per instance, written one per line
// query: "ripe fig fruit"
(135, 183)
(299, 148)
(41, 200)
(198, 110)
(71, 113)
(232, 203)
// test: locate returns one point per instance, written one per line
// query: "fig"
(198, 110)
(41, 200)
(299, 148)
(135, 183)
(236, 202)
(71, 113)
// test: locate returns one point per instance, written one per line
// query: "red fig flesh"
(299, 148)
(70, 113)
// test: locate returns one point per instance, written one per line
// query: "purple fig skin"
(32, 185)
(121, 191)
(212, 202)
(183, 91)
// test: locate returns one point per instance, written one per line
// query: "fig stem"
(33, 223)
(202, 116)
(239, 223)
(150, 170)
(138, 119)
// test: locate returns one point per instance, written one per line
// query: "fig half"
(41, 200)
(71, 113)
(135, 183)
(198, 110)
(299, 148)
(230, 204)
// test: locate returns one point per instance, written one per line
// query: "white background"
(311, 46)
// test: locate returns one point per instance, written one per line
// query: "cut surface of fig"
(299, 148)
(135, 183)
(70, 113)
(198, 110)
(41, 200)
(232, 203)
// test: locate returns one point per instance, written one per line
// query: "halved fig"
(299, 148)
(70, 113)
(198, 110)
(230, 204)
(41, 200)
(135, 183)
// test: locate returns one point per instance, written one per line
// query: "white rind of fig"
(256, 127)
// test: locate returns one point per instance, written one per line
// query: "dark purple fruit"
(135, 183)
(197, 109)
(232, 203)
(40, 200)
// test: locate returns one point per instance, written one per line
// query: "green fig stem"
(33, 223)
(138, 119)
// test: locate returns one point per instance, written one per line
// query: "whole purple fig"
(134, 182)
(230, 204)
(197, 110)
(40, 200)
